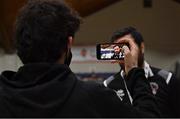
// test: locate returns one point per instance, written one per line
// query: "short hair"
(125, 31)
(42, 30)
(116, 46)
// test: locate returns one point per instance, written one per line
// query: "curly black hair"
(138, 38)
(42, 30)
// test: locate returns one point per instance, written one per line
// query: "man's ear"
(70, 41)
(142, 47)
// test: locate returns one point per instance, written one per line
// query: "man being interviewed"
(158, 78)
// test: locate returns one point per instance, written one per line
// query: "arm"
(138, 85)
(144, 101)
(144, 104)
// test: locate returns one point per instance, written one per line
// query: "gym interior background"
(157, 20)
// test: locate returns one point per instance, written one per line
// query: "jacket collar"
(147, 70)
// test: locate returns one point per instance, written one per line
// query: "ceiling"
(9, 10)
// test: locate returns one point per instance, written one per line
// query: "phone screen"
(110, 51)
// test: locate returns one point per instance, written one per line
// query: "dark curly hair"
(42, 30)
(138, 38)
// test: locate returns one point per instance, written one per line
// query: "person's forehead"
(124, 37)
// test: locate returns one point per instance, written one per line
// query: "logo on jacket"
(154, 87)
(120, 94)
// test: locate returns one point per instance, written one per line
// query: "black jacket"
(159, 87)
(174, 97)
(52, 90)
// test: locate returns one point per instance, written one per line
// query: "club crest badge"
(120, 94)
(154, 87)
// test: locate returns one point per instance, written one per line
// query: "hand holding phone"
(126, 51)
(131, 54)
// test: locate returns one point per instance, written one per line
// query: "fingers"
(132, 45)
(128, 41)
(131, 54)
(126, 49)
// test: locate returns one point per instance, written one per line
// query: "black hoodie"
(52, 90)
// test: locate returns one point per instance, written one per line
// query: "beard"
(68, 58)
(141, 59)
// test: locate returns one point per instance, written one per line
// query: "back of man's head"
(42, 30)
(128, 31)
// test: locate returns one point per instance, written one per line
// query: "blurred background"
(157, 20)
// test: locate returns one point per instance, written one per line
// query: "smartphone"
(110, 51)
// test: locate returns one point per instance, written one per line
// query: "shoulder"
(155, 70)
(111, 79)
(159, 71)
(97, 91)
(92, 87)
(166, 75)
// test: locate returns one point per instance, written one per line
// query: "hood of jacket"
(36, 88)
